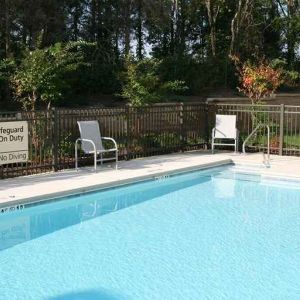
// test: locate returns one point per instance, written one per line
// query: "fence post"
(210, 112)
(206, 125)
(128, 132)
(182, 139)
(281, 132)
(55, 121)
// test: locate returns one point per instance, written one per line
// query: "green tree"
(192, 38)
(41, 76)
(143, 84)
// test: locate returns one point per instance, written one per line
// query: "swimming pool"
(211, 234)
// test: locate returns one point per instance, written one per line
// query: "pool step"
(256, 173)
(240, 172)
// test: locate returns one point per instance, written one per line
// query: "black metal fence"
(146, 131)
(139, 132)
(283, 120)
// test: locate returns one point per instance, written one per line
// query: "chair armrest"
(110, 139)
(86, 140)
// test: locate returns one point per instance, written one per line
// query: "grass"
(289, 141)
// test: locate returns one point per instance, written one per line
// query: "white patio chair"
(225, 129)
(91, 143)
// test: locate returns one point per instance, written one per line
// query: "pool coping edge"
(113, 184)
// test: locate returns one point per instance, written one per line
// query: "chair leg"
(116, 160)
(212, 147)
(101, 158)
(76, 157)
(95, 161)
(237, 141)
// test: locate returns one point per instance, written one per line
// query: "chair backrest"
(225, 127)
(90, 130)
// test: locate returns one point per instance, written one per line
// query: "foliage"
(291, 78)
(259, 81)
(7, 68)
(143, 84)
(98, 72)
(191, 39)
(41, 76)
(66, 145)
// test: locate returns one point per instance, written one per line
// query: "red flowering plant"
(259, 81)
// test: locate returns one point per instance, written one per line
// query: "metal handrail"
(265, 161)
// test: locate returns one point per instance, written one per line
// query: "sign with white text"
(13, 142)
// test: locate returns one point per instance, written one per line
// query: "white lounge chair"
(91, 143)
(225, 129)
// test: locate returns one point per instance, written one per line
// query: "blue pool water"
(210, 234)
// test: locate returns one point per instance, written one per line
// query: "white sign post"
(13, 142)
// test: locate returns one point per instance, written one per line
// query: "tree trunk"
(127, 27)
(242, 12)
(116, 36)
(7, 29)
(173, 27)
(30, 105)
(93, 21)
(213, 8)
(182, 27)
(99, 22)
(139, 30)
(76, 17)
(292, 6)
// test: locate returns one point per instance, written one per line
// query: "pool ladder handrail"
(266, 161)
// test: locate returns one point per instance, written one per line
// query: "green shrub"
(42, 75)
(144, 85)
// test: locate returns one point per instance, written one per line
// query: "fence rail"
(284, 122)
(146, 131)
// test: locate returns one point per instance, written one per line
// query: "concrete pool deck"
(44, 186)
